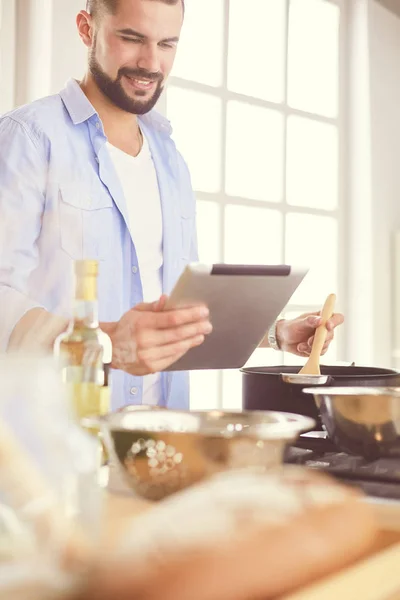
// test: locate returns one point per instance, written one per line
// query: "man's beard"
(115, 92)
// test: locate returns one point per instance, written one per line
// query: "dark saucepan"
(272, 388)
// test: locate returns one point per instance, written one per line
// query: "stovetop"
(379, 478)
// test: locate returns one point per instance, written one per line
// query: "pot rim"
(361, 371)
(353, 391)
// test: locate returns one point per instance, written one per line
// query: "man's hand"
(297, 335)
(148, 339)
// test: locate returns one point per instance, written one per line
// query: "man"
(92, 172)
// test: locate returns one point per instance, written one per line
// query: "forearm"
(36, 331)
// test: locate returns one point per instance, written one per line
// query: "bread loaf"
(238, 536)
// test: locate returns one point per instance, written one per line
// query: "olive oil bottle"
(85, 350)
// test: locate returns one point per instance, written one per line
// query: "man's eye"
(169, 45)
(132, 40)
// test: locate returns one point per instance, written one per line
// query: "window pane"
(313, 241)
(252, 235)
(201, 46)
(204, 390)
(312, 164)
(314, 56)
(256, 55)
(200, 145)
(231, 390)
(254, 151)
(208, 231)
(265, 357)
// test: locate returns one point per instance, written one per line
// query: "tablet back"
(244, 301)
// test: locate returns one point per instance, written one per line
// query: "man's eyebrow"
(133, 33)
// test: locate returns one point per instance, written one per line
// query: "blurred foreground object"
(85, 350)
(50, 502)
(237, 536)
(162, 452)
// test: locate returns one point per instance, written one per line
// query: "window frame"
(221, 199)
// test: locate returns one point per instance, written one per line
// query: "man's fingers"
(175, 318)
(305, 348)
(157, 359)
(159, 305)
(146, 306)
(335, 320)
(153, 338)
(156, 306)
(302, 351)
(162, 302)
(329, 338)
(314, 321)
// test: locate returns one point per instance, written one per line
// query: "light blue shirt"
(61, 200)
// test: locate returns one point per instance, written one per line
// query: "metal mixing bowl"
(359, 420)
(164, 451)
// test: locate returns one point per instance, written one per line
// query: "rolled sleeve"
(23, 174)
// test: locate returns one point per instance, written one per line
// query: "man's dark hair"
(94, 7)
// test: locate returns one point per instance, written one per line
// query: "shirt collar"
(157, 121)
(80, 109)
(76, 103)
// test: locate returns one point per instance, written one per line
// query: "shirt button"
(134, 270)
(98, 124)
(134, 391)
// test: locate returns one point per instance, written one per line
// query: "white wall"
(373, 183)
(385, 106)
(69, 53)
(49, 48)
(34, 49)
(359, 201)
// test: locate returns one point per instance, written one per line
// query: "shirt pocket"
(85, 223)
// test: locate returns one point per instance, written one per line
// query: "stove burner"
(378, 478)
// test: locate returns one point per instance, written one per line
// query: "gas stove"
(378, 479)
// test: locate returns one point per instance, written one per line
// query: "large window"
(254, 101)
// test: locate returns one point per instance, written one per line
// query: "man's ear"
(84, 23)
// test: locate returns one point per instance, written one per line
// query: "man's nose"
(149, 59)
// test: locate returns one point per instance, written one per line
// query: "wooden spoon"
(312, 365)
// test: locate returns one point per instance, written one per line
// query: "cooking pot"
(361, 420)
(280, 388)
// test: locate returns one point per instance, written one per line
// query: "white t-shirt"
(138, 178)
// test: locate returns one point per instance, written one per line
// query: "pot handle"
(305, 380)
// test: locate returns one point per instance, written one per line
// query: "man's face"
(133, 52)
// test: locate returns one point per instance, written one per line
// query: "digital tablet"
(244, 301)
